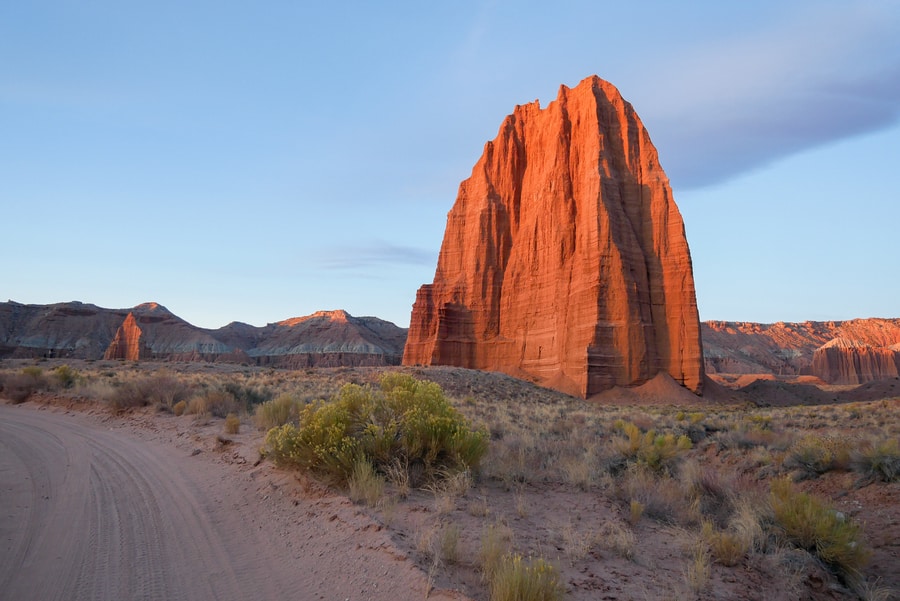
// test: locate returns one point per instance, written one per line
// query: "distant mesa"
(564, 259)
(856, 351)
(151, 332)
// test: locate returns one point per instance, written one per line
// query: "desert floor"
(141, 504)
(111, 508)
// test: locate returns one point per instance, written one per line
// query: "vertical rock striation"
(564, 259)
(127, 344)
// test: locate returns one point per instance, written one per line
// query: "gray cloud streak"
(374, 254)
(729, 108)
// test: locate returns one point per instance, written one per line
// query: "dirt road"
(89, 512)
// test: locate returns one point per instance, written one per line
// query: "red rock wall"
(564, 259)
(838, 352)
(127, 342)
(837, 365)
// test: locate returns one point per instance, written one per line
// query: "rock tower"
(564, 259)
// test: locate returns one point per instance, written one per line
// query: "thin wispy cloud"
(374, 254)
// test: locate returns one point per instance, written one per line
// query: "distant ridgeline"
(838, 352)
(151, 332)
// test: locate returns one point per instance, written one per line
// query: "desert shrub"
(65, 376)
(34, 372)
(128, 395)
(366, 485)
(520, 579)
(814, 455)
(283, 409)
(877, 460)
(617, 538)
(165, 390)
(659, 498)
(232, 424)
(711, 496)
(748, 439)
(406, 419)
(246, 394)
(216, 402)
(17, 388)
(808, 523)
(655, 451)
(161, 390)
(727, 547)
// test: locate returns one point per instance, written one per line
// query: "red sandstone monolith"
(127, 343)
(564, 259)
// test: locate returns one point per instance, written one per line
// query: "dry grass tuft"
(232, 424)
(698, 571)
(496, 541)
(366, 486)
(617, 538)
(521, 579)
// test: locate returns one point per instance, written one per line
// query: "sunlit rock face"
(564, 258)
(126, 344)
(847, 361)
(837, 352)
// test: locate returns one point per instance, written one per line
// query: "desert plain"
(108, 494)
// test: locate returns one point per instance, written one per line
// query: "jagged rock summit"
(564, 259)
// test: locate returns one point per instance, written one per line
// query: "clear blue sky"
(259, 161)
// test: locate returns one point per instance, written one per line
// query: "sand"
(102, 508)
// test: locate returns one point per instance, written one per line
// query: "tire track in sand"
(92, 514)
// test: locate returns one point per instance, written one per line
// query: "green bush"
(65, 376)
(34, 372)
(649, 449)
(406, 420)
(808, 523)
(279, 411)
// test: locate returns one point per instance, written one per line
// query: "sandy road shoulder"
(101, 508)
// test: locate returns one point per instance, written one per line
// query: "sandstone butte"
(564, 259)
(127, 342)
